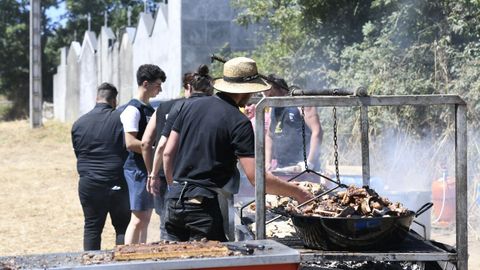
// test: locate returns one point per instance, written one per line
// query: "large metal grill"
(411, 252)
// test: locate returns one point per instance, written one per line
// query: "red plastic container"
(443, 198)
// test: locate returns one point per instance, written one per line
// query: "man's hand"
(153, 185)
(311, 166)
(302, 195)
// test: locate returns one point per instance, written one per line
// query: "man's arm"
(273, 185)
(169, 155)
(73, 141)
(130, 118)
(154, 179)
(147, 141)
(132, 143)
(268, 150)
(313, 122)
(269, 141)
(158, 156)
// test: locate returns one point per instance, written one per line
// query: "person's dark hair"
(202, 81)
(187, 79)
(107, 91)
(150, 73)
(278, 82)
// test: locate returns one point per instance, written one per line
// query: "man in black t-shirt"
(196, 85)
(209, 136)
(97, 139)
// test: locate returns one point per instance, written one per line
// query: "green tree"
(393, 47)
(14, 41)
(14, 53)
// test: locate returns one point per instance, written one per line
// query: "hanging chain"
(335, 145)
(304, 140)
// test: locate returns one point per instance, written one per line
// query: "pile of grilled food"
(281, 228)
(170, 250)
(354, 202)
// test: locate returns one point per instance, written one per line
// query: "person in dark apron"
(196, 85)
(209, 136)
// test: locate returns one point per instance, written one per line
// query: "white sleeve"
(130, 118)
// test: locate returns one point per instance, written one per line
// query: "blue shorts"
(140, 199)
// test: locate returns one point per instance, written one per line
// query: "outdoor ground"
(39, 207)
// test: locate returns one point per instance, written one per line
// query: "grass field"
(39, 206)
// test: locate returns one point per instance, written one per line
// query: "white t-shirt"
(130, 118)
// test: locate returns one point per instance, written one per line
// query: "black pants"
(99, 199)
(187, 221)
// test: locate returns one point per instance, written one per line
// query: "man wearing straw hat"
(209, 136)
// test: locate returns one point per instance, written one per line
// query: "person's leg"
(120, 213)
(141, 204)
(175, 229)
(160, 205)
(93, 199)
(205, 220)
(138, 226)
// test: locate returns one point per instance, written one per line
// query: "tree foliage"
(14, 41)
(14, 53)
(393, 47)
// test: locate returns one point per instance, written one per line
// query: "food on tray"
(274, 201)
(282, 228)
(353, 202)
(171, 250)
(279, 229)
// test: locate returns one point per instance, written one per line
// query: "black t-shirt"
(175, 111)
(213, 133)
(97, 139)
(162, 113)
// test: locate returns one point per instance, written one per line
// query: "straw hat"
(240, 75)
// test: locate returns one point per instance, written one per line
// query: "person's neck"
(104, 102)
(235, 97)
(142, 95)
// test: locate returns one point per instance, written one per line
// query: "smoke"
(405, 162)
(402, 158)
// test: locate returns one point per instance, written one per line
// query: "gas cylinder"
(443, 198)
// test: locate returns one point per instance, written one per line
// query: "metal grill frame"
(460, 114)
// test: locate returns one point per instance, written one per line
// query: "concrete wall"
(115, 61)
(106, 39)
(165, 47)
(178, 38)
(141, 46)
(88, 73)
(72, 96)
(125, 66)
(60, 87)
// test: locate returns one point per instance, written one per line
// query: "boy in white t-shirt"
(135, 117)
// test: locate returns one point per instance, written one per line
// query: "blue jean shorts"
(140, 199)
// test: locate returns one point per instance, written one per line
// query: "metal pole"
(461, 185)
(365, 145)
(35, 65)
(260, 170)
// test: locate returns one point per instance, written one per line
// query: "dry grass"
(40, 210)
